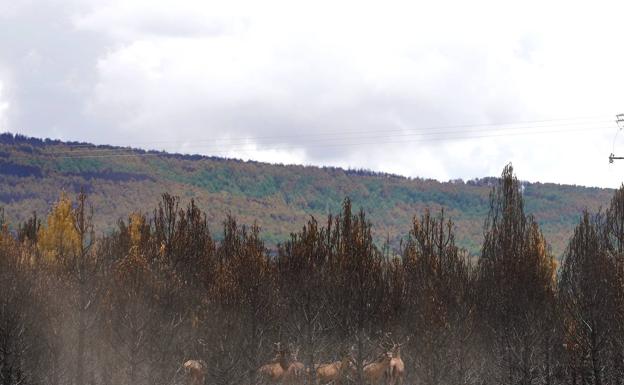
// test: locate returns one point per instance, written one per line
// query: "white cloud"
(197, 76)
(124, 20)
(4, 110)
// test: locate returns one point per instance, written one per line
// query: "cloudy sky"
(439, 89)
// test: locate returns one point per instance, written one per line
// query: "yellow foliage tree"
(137, 221)
(59, 237)
(546, 262)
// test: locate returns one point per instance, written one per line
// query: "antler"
(384, 345)
(278, 348)
(295, 353)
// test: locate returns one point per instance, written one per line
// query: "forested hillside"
(278, 198)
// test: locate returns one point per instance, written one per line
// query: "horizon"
(348, 170)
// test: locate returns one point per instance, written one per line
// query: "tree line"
(130, 306)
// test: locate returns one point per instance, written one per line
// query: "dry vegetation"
(159, 301)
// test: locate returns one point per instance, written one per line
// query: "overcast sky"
(437, 89)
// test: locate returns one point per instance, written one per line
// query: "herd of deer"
(286, 369)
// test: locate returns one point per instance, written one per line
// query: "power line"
(330, 145)
(256, 139)
(319, 139)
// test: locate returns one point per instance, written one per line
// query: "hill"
(279, 198)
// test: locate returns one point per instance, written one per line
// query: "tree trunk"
(80, 351)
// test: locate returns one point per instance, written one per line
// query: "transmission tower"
(619, 120)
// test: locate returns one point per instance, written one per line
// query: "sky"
(434, 89)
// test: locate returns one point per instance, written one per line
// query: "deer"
(273, 372)
(396, 369)
(196, 371)
(294, 370)
(376, 371)
(335, 371)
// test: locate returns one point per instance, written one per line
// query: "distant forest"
(161, 300)
(278, 198)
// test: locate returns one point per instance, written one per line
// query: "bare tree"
(246, 289)
(303, 269)
(588, 292)
(357, 283)
(439, 302)
(515, 286)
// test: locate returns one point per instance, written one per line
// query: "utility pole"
(619, 120)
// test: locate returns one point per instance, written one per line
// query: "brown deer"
(294, 370)
(196, 371)
(396, 369)
(273, 372)
(376, 371)
(335, 371)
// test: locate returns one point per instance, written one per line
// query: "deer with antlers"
(294, 370)
(273, 371)
(335, 371)
(196, 371)
(376, 371)
(284, 368)
(396, 369)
